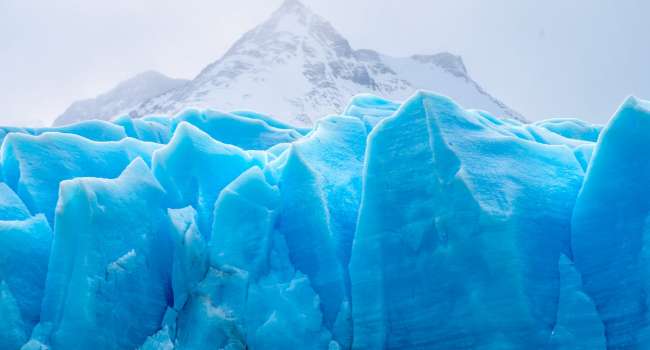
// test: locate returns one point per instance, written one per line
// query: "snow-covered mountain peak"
(122, 99)
(292, 17)
(293, 9)
(291, 28)
(299, 68)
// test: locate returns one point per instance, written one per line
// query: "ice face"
(610, 227)
(242, 131)
(409, 225)
(24, 252)
(34, 166)
(460, 209)
(193, 169)
(108, 282)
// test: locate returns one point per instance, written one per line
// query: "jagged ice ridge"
(400, 226)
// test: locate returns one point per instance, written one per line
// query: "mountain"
(299, 68)
(122, 99)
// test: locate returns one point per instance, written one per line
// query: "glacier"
(417, 224)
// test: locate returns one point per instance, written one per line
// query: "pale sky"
(552, 58)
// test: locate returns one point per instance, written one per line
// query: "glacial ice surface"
(412, 225)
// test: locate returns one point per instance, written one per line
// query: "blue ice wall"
(610, 227)
(417, 224)
(464, 213)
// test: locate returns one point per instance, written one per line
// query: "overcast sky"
(543, 58)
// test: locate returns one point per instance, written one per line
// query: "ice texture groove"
(416, 224)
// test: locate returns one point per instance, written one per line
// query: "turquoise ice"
(417, 224)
